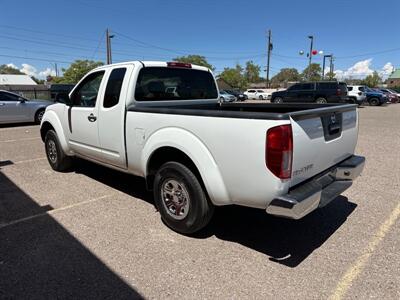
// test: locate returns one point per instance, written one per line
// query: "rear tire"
(55, 155)
(321, 100)
(39, 116)
(374, 102)
(183, 205)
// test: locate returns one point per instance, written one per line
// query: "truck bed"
(248, 110)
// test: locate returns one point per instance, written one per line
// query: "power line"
(38, 59)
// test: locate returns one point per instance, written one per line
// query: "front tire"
(55, 155)
(183, 205)
(261, 97)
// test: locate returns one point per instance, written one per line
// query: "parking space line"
(23, 139)
(354, 271)
(29, 160)
(52, 212)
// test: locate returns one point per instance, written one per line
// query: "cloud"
(29, 70)
(11, 65)
(32, 71)
(47, 72)
(387, 69)
(362, 69)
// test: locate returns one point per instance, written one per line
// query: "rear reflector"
(174, 64)
(279, 151)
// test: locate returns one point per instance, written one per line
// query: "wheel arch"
(190, 151)
(50, 121)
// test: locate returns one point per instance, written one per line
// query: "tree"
(252, 72)
(78, 69)
(194, 59)
(372, 80)
(4, 69)
(234, 77)
(286, 75)
(314, 75)
(330, 76)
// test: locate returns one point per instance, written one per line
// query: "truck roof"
(149, 63)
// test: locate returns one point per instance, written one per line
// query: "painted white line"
(27, 127)
(52, 212)
(354, 271)
(28, 160)
(23, 139)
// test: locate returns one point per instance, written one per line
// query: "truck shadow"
(40, 259)
(288, 242)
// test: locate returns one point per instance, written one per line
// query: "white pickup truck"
(163, 121)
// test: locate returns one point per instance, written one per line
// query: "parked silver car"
(15, 109)
(225, 97)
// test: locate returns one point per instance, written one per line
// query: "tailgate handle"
(334, 128)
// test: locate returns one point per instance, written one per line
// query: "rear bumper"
(318, 191)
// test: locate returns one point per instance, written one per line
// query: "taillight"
(338, 92)
(279, 151)
(175, 64)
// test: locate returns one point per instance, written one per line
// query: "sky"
(362, 35)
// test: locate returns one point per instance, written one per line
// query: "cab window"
(85, 94)
(113, 89)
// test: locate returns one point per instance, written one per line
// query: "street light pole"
(310, 56)
(323, 65)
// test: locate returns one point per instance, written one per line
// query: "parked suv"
(357, 93)
(375, 98)
(318, 92)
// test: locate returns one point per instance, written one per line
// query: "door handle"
(92, 118)
(2, 104)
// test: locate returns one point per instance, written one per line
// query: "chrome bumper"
(318, 191)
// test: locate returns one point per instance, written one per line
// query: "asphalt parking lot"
(94, 233)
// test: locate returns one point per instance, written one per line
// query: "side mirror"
(22, 100)
(63, 98)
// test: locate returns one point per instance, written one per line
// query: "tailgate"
(322, 137)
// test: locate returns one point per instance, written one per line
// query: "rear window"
(327, 85)
(306, 86)
(160, 83)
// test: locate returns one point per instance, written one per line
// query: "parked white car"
(356, 93)
(257, 94)
(287, 161)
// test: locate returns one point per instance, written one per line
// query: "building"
(394, 79)
(24, 86)
(11, 79)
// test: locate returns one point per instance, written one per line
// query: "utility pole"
(56, 69)
(269, 48)
(331, 64)
(310, 56)
(108, 46)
